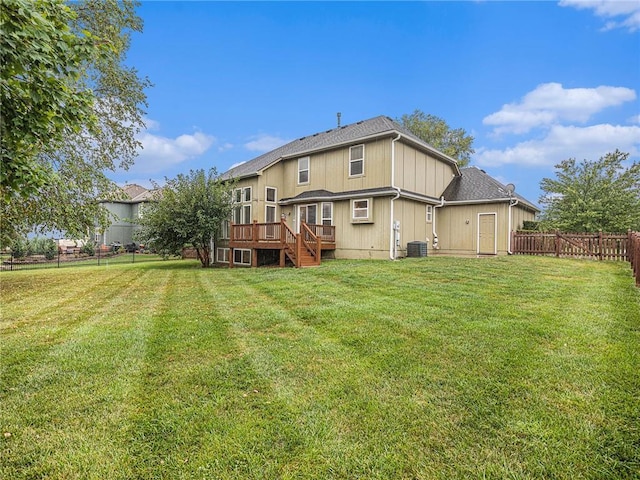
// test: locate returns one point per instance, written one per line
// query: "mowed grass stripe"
(427, 368)
(71, 404)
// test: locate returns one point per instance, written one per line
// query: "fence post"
(11, 262)
(600, 245)
(557, 243)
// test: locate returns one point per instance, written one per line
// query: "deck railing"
(276, 232)
(311, 242)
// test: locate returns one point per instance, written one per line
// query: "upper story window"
(237, 195)
(429, 213)
(271, 194)
(246, 194)
(356, 161)
(303, 170)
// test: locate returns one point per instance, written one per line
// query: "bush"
(530, 225)
(49, 249)
(89, 248)
(19, 248)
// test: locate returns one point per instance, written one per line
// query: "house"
(364, 190)
(124, 212)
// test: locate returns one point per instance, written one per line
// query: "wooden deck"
(304, 249)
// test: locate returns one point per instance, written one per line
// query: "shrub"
(49, 249)
(19, 248)
(89, 248)
(530, 225)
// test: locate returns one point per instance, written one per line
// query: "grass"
(435, 368)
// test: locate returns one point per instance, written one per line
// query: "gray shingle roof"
(475, 185)
(354, 132)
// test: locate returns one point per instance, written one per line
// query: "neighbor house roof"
(474, 185)
(347, 134)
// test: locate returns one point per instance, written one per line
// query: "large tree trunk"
(203, 256)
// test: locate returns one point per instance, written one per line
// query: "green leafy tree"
(437, 133)
(70, 111)
(593, 195)
(188, 210)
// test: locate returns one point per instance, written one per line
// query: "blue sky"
(533, 82)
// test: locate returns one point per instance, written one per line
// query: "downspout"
(392, 239)
(435, 245)
(509, 230)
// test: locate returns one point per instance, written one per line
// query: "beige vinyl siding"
(519, 215)
(420, 173)
(368, 240)
(413, 224)
(330, 170)
(457, 227)
(257, 198)
(457, 237)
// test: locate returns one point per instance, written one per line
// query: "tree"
(593, 195)
(437, 133)
(70, 111)
(188, 210)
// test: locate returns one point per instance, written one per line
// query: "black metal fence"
(10, 263)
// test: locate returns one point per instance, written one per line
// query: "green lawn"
(433, 368)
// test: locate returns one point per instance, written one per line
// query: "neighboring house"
(365, 190)
(124, 213)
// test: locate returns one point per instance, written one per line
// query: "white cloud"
(610, 10)
(550, 103)
(562, 142)
(634, 119)
(264, 143)
(159, 152)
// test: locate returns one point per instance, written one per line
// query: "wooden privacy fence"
(603, 246)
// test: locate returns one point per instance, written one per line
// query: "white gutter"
(433, 224)
(511, 204)
(392, 240)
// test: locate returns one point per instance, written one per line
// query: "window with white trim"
(237, 195)
(361, 210)
(270, 214)
(327, 213)
(246, 214)
(224, 230)
(303, 170)
(246, 194)
(429, 213)
(242, 256)
(222, 255)
(236, 215)
(271, 194)
(356, 161)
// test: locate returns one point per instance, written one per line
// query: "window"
(246, 194)
(270, 214)
(361, 211)
(429, 213)
(356, 161)
(242, 256)
(271, 194)
(237, 195)
(303, 170)
(246, 214)
(327, 213)
(222, 255)
(237, 215)
(270, 217)
(224, 230)
(327, 219)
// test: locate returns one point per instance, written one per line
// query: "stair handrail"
(311, 242)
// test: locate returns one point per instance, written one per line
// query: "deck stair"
(303, 249)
